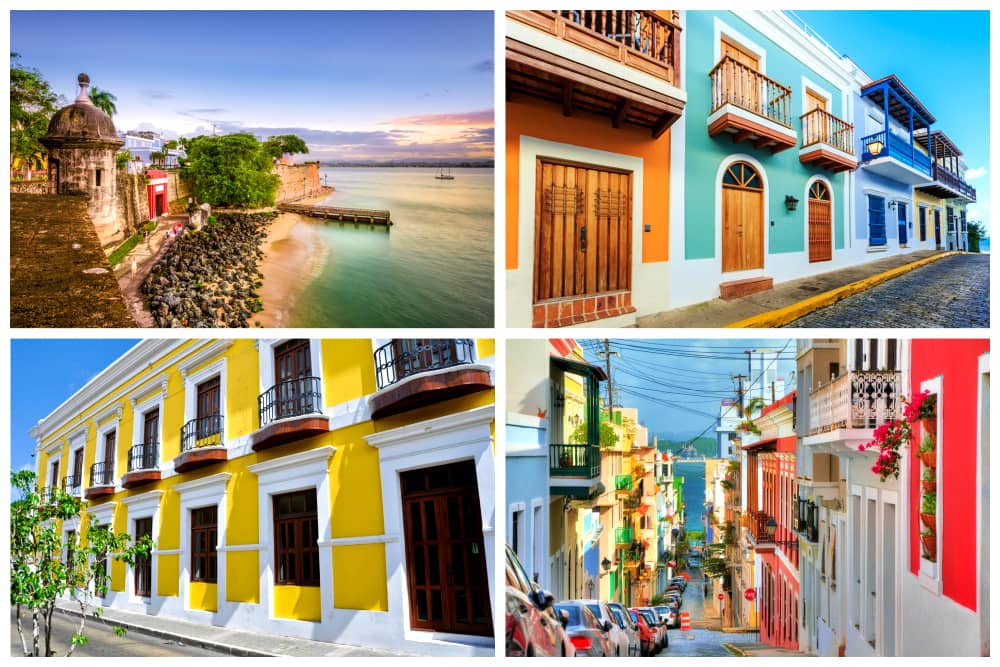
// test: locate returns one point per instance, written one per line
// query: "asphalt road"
(951, 292)
(700, 641)
(103, 641)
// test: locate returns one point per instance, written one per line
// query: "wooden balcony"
(827, 142)
(856, 400)
(946, 182)
(634, 79)
(102, 480)
(290, 411)
(414, 373)
(201, 443)
(750, 107)
(143, 465)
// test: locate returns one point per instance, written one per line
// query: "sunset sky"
(354, 85)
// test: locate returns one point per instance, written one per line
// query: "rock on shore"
(209, 278)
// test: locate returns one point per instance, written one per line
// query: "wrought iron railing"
(858, 399)
(47, 494)
(71, 484)
(202, 432)
(742, 86)
(887, 144)
(291, 398)
(397, 360)
(144, 456)
(806, 519)
(641, 32)
(633, 555)
(102, 474)
(756, 525)
(819, 126)
(574, 460)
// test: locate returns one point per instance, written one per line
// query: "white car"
(618, 637)
(631, 629)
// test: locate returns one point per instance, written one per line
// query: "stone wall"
(298, 181)
(30, 187)
(133, 203)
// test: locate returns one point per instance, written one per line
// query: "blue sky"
(44, 373)
(354, 85)
(942, 57)
(678, 384)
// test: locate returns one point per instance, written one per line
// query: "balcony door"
(208, 405)
(741, 88)
(742, 218)
(937, 229)
(820, 223)
(143, 569)
(292, 362)
(583, 230)
(445, 554)
(901, 219)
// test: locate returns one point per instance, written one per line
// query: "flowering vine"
(893, 434)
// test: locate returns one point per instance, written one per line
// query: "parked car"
(589, 636)
(667, 613)
(533, 628)
(675, 597)
(655, 618)
(647, 635)
(680, 581)
(626, 623)
(618, 637)
(677, 613)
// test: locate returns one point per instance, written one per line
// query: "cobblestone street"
(952, 292)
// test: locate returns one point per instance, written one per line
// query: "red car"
(532, 628)
(647, 635)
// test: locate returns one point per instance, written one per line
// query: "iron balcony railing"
(858, 399)
(806, 520)
(756, 525)
(202, 432)
(641, 32)
(291, 398)
(398, 360)
(102, 474)
(742, 86)
(623, 535)
(47, 494)
(877, 145)
(819, 126)
(634, 555)
(144, 456)
(71, 484)
(574, 460)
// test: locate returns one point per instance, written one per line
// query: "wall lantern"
(875, 147)
(606, 564)
(892, 204)
(791, 202)
(771, 528)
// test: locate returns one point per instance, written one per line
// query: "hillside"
(703, 446)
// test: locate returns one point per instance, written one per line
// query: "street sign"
(721, 596)
(750, 594)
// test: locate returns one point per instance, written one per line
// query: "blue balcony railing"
(896, 148)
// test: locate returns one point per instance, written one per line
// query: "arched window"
(742, 175)
(819, 191)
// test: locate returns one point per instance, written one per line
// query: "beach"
(293, 257)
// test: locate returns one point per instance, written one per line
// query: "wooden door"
(583, 230)
(742, 218)
(937, 228)
(445, 553)
(292, 361)
(744, 88)
(77, 467)
(739, 54)
(814, 101)
(820, 226)
(143, 569)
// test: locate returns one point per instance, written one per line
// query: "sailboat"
(445, 177)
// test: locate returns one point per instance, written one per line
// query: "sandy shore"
(293, 257)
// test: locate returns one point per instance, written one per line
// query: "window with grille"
(204, 525)
(296, 530)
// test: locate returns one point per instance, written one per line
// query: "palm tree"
(755, 404)
(103, 100)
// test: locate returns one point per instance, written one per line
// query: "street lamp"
(606, 564)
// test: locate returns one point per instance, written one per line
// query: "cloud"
(468, 118)
(155, 94)
(190, 112)
(974, 173)
(484, 66)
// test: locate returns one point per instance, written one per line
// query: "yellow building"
(312, 488)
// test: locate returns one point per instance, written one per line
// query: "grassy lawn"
(125, 248)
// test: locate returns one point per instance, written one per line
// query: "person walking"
(133, 267)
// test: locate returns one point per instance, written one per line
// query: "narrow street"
(704, 639)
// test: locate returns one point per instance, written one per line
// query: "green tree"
(230, 170)
(45, 567)
(157, 157)
(121, 160)
(977, 232)
(32, 104)
(284, 144)
(103, 100)
(608, 438)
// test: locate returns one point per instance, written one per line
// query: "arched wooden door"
(820, 226)
(742, 218)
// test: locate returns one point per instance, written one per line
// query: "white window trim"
(197, 494)
(143, 506)
(722, 29)
(511, 511)
(433, 442)
(929, 574)
(286, 474)
(191, 382)
(139, 410)
(819, 90)
(265, 361)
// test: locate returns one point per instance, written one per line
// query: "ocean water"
(693, 492)
(433, 269)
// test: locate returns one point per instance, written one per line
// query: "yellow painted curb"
(782, 316)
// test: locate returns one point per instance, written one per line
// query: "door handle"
(583, 239)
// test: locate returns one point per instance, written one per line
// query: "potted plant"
(928, 481)
(923, 407)
(928, 451)
(928, 509)
(928, 538)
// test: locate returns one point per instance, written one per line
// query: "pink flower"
(875, 469)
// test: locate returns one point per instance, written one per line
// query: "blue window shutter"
(876, 220)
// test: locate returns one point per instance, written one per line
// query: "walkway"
(146, 255)
(719, 313)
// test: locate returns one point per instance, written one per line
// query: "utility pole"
(607, 365)
(739, 392)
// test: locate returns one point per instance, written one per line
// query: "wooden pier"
(339, 213)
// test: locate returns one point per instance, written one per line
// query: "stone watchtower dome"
(82, 143)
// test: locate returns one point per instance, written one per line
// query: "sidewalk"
(146, 254)
(791, 299)
(758, 650)
(226, 640)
